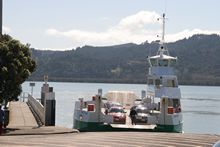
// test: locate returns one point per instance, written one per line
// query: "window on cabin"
(150, 81)
(176, 105)
(170, 102)
(158, 83)
(153, 62)
(171, 83)
(172, 61)
(163, 62)
(173, 106)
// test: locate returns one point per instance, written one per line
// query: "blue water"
(200, 104)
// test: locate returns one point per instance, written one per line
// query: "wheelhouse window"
(153, 62)
(173, 62)
(163, 62)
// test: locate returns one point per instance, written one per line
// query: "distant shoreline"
(119, 81)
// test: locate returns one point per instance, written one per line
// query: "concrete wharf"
(24, 132)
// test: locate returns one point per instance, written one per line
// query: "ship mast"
(162, 48)
(163, 33)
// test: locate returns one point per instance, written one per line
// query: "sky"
(67, 24)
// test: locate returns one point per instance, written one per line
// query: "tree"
(16, 65)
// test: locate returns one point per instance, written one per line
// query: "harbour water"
(200, 104)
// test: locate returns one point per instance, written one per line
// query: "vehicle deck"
(128, 124)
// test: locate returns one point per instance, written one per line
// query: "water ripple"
(203, 99)
(203, 112)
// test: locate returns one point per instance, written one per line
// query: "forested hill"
(198, 62)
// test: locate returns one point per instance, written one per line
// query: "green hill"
(198, 62)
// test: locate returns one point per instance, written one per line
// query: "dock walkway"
(22, 122)
(21, 116)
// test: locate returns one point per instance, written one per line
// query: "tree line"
(198, 62)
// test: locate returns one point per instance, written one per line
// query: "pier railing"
(38, 108)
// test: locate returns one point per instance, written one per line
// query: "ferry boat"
(162, 100)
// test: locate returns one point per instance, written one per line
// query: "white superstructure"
(163, 84)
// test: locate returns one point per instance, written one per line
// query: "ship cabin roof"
(162, 60)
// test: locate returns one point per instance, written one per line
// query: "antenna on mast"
(162, 47)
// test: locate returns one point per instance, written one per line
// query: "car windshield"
(110, 104)
(116, 110)
(116, 104)
(142, 110)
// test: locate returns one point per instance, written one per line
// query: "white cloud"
(187, 34)
(129, 29)
(6, 30)
(55, 49)
(139, 20)
(52, 32)
(136, 28)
